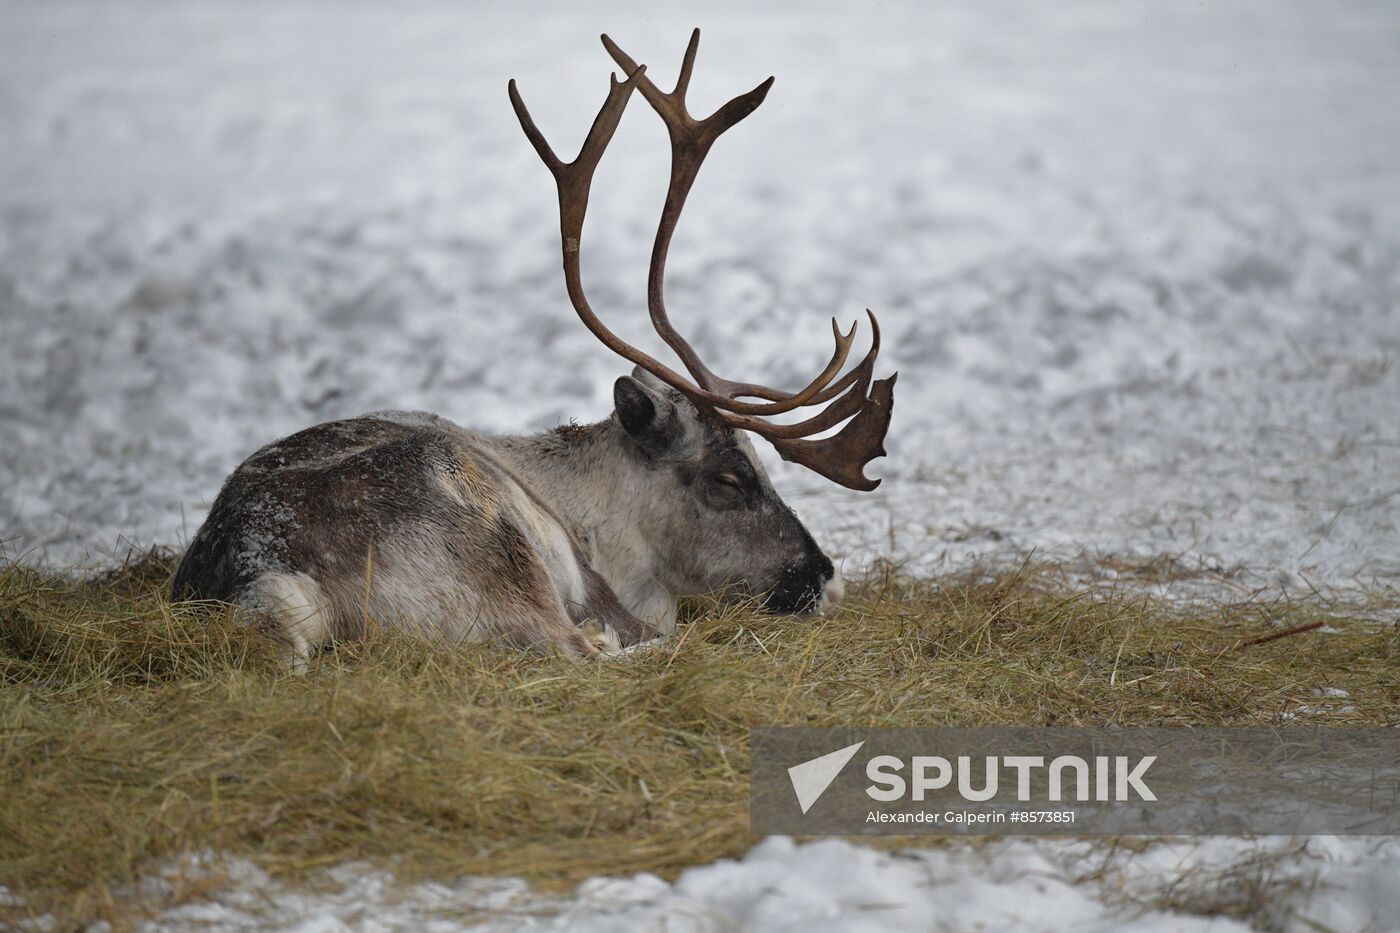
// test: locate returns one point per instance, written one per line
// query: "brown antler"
(841, 457)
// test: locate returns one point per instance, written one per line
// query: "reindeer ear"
(646, 414)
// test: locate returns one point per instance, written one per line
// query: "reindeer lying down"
(580, 539)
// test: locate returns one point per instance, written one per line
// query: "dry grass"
(132, 731)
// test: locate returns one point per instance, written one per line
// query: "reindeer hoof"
(602, 638)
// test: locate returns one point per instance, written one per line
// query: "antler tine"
(842, 457)
(687, 66)
(838, 359)
(864, 406)
(574, 180)
(691, 140)
(851, 387)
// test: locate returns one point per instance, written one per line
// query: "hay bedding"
(133, 730)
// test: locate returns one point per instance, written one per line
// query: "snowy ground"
(1022, 885)
(1138, 266)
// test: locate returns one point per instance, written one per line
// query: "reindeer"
(580, 539)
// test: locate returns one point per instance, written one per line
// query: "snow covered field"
(1138, 265)
(832, 887)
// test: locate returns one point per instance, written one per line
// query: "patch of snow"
(830, 885)
(1138, 266)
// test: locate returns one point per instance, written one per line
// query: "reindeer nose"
(802, 585)
(832, 592)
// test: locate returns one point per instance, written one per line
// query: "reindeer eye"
(724, 491)
(729, 479)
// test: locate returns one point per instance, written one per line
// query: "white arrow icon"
(811, 778)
